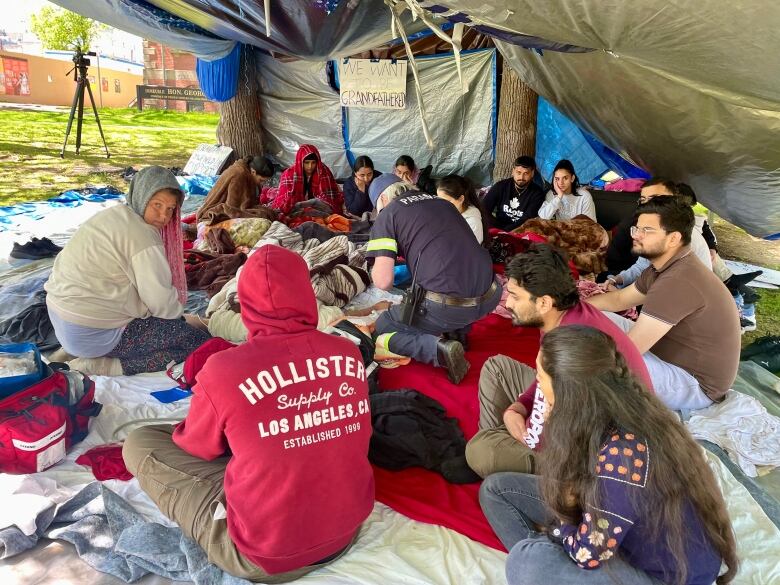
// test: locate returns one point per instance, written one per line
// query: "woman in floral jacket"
(624, 494)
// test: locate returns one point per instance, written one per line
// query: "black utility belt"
(461, 302)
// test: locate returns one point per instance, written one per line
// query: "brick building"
(170, 67)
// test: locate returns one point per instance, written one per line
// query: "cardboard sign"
(377, 84)
(208, 159)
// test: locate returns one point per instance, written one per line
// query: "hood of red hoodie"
(275, 293)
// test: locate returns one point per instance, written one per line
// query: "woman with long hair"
(567, 199)
(356, 199)
(461, 193)
(624, 494)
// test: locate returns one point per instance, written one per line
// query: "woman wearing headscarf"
(308, 178)
(118, 287)
(237, 189)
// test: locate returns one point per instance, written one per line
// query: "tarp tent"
(683, 89)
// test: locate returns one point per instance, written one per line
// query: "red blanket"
(424, 495)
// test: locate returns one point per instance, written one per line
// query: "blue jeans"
(419, 341)
(537, 560)
(675, 387)
(515, 510)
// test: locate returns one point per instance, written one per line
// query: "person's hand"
(360, 183)
(612, 283)
(713, 255)
(515, 424)
(382, 306)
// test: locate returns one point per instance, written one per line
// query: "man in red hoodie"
(269, 472)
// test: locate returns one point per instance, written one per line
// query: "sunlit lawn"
(30, 144)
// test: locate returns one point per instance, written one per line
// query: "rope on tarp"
(395, 10)
(455, 40)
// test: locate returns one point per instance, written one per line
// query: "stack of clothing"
(338, 274)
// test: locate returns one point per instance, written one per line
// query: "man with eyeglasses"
(624, 266)
(688, 319)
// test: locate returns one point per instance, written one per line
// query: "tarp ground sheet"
(392, 547)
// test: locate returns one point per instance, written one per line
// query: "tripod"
(82, 82)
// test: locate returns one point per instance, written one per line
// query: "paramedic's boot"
(450, 355)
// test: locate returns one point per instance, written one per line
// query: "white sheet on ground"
(741, 426)
(391, 547)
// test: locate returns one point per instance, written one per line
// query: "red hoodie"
(292, 406)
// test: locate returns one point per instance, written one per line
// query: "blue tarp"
(219, 78)
(558, 137)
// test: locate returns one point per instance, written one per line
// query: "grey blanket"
(113, 538)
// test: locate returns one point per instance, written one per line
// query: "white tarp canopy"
(686, 89)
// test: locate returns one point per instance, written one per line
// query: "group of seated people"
(586, 463)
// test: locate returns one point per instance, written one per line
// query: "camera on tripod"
(81, 63)
(80, 66)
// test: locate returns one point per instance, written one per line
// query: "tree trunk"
(240, 117)
(516, 122)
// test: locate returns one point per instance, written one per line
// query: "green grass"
(767, 314)
(30, 144)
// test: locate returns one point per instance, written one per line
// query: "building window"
(117, 86)
(50, 78)
(104, 84)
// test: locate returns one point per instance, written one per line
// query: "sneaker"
(29, 251)
(747, 324)
(47, 244)
(450, 355)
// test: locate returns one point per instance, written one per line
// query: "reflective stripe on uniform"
(383, 340)
(382, 244)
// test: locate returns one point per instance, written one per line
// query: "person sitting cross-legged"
(269, 471)
(542, 294)
(689, 330)
(624, 494)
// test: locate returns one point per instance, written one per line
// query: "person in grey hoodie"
(117, 289)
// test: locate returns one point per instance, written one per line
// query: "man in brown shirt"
(688, 319)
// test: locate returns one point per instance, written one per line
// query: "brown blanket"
(211, 274)
(581, 238)
(233, 195)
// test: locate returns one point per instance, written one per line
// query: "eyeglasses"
(635, 231)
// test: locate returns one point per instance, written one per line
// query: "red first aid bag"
(41, 422)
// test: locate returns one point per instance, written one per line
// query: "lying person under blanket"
(269, 471)
(117, 289)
